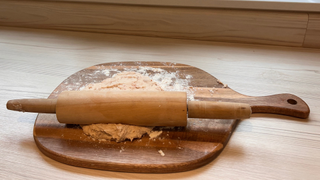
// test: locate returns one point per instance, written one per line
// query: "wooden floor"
(34, 62)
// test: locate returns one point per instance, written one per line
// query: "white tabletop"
(34, 62)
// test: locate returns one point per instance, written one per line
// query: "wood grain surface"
(266, 146)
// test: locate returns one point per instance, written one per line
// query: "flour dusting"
(168, 81)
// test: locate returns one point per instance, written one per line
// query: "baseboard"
(245, 26)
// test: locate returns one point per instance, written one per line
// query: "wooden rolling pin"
(144, 108)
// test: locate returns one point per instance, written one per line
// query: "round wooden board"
(185, 148)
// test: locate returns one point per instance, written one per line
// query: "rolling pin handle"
(33, 105)
(218, 110)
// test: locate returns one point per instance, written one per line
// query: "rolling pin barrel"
(144, 108)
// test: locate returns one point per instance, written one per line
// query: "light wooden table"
(34, 62)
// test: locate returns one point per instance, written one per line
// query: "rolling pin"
(144, 108)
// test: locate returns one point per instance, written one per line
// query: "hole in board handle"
(292, 101)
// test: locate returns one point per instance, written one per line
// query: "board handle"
(33, 105)
(284, 104)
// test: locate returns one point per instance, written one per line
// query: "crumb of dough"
(212, 90)
(122, 149)
(154, 134)
(124, 81)
(161, 152)
(224, 85)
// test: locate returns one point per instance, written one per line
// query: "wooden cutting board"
(185, 148)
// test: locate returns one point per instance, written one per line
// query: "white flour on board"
(168, 81)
